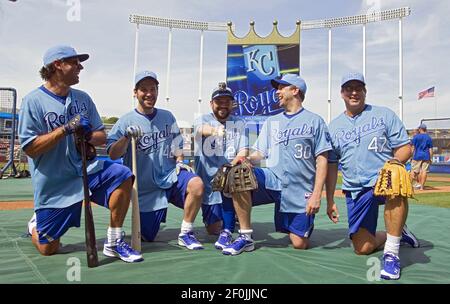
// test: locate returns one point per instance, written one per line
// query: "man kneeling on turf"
(295, 145)
(48, 118)
(162, 175)
(364, 137)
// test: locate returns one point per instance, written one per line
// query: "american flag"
(427, 93)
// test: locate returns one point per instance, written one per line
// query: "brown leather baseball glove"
(393, 180)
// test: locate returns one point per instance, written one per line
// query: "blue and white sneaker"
(241, 244)
(31, 224)
(120, 249)
(189, 241)
(224, 240)
(409, 238)
(391, 267)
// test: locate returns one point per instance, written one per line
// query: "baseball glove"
(91, 152)
(219, 181)
(241, 178)
(393, 180)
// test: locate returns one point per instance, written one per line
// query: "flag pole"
(435, 107)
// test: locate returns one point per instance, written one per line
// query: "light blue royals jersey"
(212, 152)
(155, 154)
(362, 144)
(291, 143)
(56, 174)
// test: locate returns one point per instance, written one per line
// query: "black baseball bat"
(91, 245)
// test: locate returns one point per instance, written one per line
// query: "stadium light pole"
(329, 76)
(300, 54)
(169, 56)
(400, 68)
(397, 13)
(184, 25)
(364, 50)
(200, 76)
(390, 14)
(136, 48)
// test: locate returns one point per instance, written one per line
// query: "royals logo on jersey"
(286, 135)
(373, 125)
(54, 120)
(151, 142)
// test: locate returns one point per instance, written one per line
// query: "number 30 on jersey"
(302, 151)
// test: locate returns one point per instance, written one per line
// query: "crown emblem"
(273, 38)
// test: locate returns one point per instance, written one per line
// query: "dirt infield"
(29, 204)
(16, 205)
(438, 179)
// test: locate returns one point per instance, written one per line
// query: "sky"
(102, 29)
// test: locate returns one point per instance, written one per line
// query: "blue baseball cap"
(290, 79)
(222, 90)
(145, 74)
(352, 76)
(422, 126)
(61, 52)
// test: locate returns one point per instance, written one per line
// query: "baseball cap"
(290, 79)
(352, 76)
(59, 52)
(422, 126)
(145, 74)
(222, 90)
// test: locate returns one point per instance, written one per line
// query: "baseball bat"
(135, 215)
(91, 246)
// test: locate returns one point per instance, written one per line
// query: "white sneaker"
(241, 244)
(189, 241)
(120, 249)
(418, 186)
(32, 224)
(224, 240)
(391, 267)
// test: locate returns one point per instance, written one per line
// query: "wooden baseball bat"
(135, 215)
(91, 245)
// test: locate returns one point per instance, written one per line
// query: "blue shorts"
(52, 223)
(220, 212)
(177, 193)
(151, 221)
(228, 214)
(262, 196)
(297, 223)
(363, 211)
(212, 213)
(103, 183)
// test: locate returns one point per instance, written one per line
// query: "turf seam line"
(27, 260)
